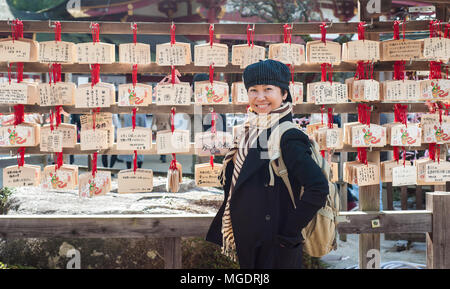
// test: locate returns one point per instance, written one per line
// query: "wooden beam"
(303, 108)
(438, 241)
(172, 253)
(157, 28)
(104, 226)
(411, 221)
(153, 68)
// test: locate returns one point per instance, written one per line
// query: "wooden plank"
(104, 226)
(411, 221)
(172, 253)
(389, 196)
(158, 28)
(438, 241)
(119, 68)
(303, 108)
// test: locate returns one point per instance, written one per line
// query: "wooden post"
(389, 197)
(404, 197)
(438, 241)
(172, 253)
(343, 187)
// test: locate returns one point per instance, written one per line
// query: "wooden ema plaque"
(400, 90)
(52, 141)
(21, 50)
(437, 171)
(176, 142)
(68, 132)
(434, 89)
(98, 52)
(207, 176)
(139, 139)
(173, 94)
(100, 95)
(91, 139)
(319, 52)
(173, 54)
(132, 53)
(386, 169)
(57, 52)
(239, 93)
(296, 90)
(401, 135)
(24, 176)
(312, 128)
(404, 175)
(206, 55)
(64, 178)
(363, 90)
(365, 136)
(91, 187)
(205, 93)
(436, 48)
(421, 165)
(361, 50)
(327, 93)
(244, 55)
(140, 181)
(60, 93)
(287, 53)
(25, 134)
(334, 172)
(207, 143)
(361, 174)
(18, 93)
(103, 120)
(405, 49)
(329, 138)
(139, 95)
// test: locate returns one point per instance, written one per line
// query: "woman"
(257, 224)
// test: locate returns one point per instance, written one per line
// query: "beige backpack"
(320, 234)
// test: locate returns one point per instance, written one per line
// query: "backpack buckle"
(283, 172)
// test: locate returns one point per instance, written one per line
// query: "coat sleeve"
(295, 148)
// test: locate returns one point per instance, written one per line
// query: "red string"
(330, 117)
(20, 156)
(400, 113)
(399, 70)
(50, 73)
(172, 119)
(447, 31)
(133, 118)
(172, 73)
(213, 121)
(173, 163)
(396, 30)
(17, 29)
(95, 32)
(435, 70)
(287, 33)
(404, 156)
(56, 69)
(94, 164)
(403, 28)
(323, 31)
(59, 160)
(211, 161)
(359, 70)
(250, 36)
(172, 34)
(322, 108)
(364, 113)
(361, 30)
(134, 28)
(19, 72)
(291, 68)
(19, 114)
(438, 152)
(362, 155)
(322, 153)
(135, 161)
(323, 68)
(134, 75)
(396, 153)
(432, 151)
(211, 74)
(52, 117)
(57, 31)
(211, 34)
(58, 115)
(95, 74)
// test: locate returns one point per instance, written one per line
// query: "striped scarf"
(253, 127)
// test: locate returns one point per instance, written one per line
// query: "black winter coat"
(262, 214)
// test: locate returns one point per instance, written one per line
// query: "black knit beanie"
(268, 72)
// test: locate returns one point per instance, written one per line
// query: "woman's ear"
(284, 96)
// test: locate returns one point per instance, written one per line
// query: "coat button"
(267, 217)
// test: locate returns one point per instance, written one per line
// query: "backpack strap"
(274, 150)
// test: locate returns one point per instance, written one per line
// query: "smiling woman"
(257, 224)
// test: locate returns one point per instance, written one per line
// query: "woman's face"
(265, 98)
